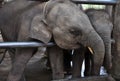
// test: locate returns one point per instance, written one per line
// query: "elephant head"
(69, 26)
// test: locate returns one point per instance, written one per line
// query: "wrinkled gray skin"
(60, 19)
(103, 26)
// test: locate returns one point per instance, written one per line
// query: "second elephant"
(102, 24)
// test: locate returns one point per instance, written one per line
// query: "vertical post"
(115, 71)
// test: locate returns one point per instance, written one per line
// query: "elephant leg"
(88, 58)
(56, 60)
(12, 56)
(22, 56)
(78, 58)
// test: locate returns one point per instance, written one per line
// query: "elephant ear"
(39, 30)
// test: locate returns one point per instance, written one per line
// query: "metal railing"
(24, 44)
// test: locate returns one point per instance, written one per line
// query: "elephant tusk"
(90, 49)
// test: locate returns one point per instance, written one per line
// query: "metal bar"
(24, 44)
(99, 2)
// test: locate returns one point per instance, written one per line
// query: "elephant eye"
(75, 31)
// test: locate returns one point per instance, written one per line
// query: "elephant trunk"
(97, 45)
(108, 58)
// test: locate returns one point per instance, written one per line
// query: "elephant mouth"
(67, 44)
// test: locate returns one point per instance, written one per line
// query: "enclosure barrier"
(24, 44)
